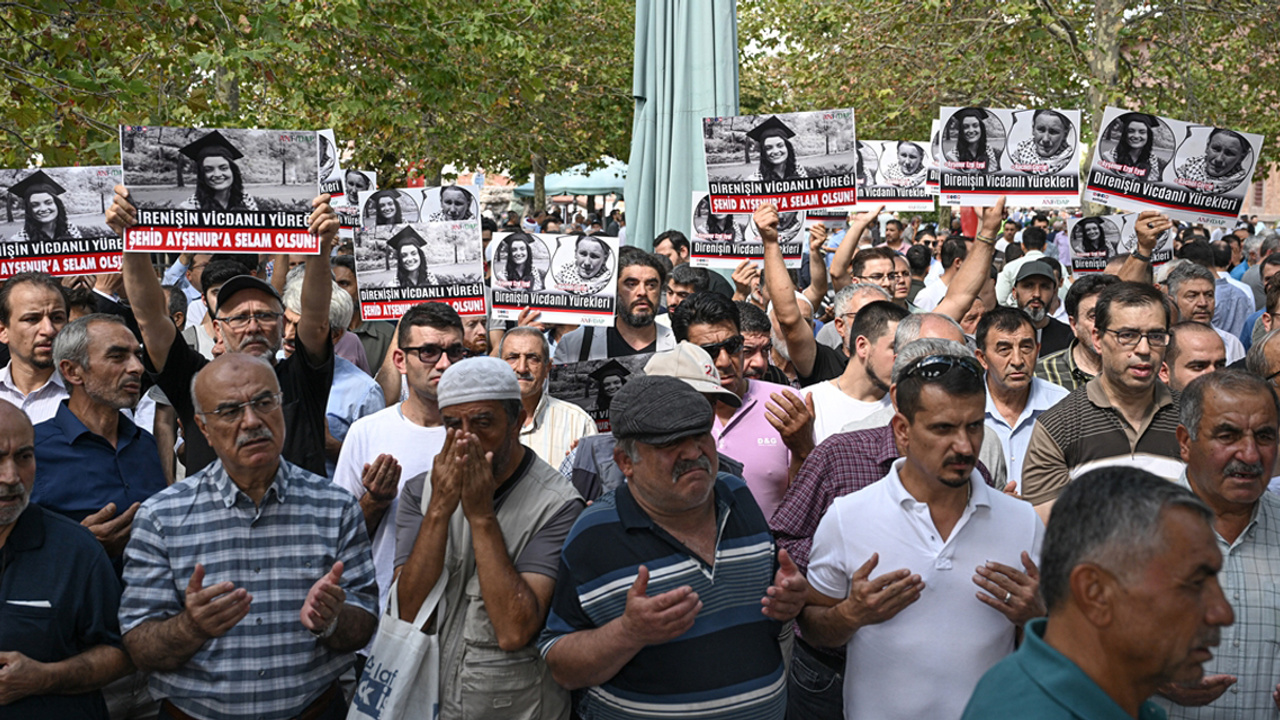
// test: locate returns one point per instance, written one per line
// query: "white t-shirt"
(415, 447)
(930, 656)
(928, 298)
(832, 409)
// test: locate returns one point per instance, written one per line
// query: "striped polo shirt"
(728, 665)
(268, 665)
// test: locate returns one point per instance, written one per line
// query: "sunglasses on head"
(932, 367)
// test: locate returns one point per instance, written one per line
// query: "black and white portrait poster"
(570, 279)
(1195, 173)
(54, 221)
(592, 384)
(403, 258)
(220, 191)
(1095, 240)
(725, 240)
(898, 171)
(797, 161)
(330, 170)
(933, 178)
(354, 183)
(1030, 155)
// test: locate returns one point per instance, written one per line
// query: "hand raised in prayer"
(745, 277)
(784, 599)
(658, 619)
(381, 478)
(476, 472)
(446, 478)
(112, 530)
(212, 611)
(324, 601)
(1014, 593)
(793, 419)
(1205, 691)
(873, 601)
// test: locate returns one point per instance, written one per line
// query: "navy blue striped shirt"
(728, 665)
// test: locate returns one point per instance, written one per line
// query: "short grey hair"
(1109, 517)
(1256, 361)
(341, 309)
(531, 332)
(923, 348)
(1270, 242)
(1186, 272)
(72, 342)
(195, 399)
(1253, 244)
(909, 329)
(1232, 380)
(849, 292)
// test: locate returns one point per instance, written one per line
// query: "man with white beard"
(1034, 289)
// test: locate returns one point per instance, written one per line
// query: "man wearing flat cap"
(490, 526)
(644, 618)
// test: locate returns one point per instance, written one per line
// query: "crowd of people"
(927, 475)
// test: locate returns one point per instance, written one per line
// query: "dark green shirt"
(1039, 683)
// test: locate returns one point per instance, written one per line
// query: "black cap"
(406, 235)
(246, 282)
(977, 112)
(1148, 120)
(34, 183)
(212, 143)
(657, 410)
(772, 126)
(1033, 269)
(613, 367)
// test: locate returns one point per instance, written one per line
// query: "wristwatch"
(327, 632)
(1140, 256)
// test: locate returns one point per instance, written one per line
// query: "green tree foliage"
(471, 82)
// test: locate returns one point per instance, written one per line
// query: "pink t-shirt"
(751, 440)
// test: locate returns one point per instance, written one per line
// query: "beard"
(638, 320)
(876, 380)
(20, 491)
(1037, 314)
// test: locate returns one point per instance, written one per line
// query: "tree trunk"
(539, 183)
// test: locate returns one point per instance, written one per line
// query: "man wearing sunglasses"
(249, 320)
(1124, 416)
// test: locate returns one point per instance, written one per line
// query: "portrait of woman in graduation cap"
(777, 155)
(411, 261)
(1132, 154)
(44, 216)
(968, 127)
(219, 183)
(609, 377)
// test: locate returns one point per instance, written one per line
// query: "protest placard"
(1031, 156)
(410, 260)
(1195, 173)
(570, 279)
(592, 384)
(1095, 240)
(54, 221)
(354, 182)
(897, 172)
(797, 161)
(725, 240)
(220, 191)
(934, 178)
(330, 170)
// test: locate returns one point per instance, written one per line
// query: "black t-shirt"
(828, 363)
(618, 347)
(306, 394)
(1055, 336)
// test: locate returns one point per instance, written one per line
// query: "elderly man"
(1079, 362)
(491, 524)
(552, 426)
(641, 278)
(930, 519)
(1229, 428)
(249, 321)
(59, 636)
(637, 620)
(32, 311)
(1124, 416)
(94, 465)
(1130, 577)
(1195, 349)
(248, 585)
(1192, 288)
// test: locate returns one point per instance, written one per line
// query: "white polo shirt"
(925, 661)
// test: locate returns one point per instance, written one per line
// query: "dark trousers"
(814, 690)
(337, 710)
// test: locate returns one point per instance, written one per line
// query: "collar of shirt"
(6, 381)
(539, 414)
(1039, 399)
(73, 428)
(1099, 398)
(1080, 376)
(1261, 517)
(898, 492)
(228, 491)
(749, 400)
(633, 517)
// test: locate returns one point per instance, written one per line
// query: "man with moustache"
(757, 345)
(1195, 349)
(249, 320)
(553, 426)
(641, 278)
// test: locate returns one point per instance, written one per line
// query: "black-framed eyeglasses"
(932, 367)
(240, 322)
(881, 277)
(431, 352)
(733, 346)
(232, 412)
(1131, 338)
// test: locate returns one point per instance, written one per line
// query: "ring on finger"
(1007, 596)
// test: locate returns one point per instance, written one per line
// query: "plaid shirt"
(1060, 369)
(268, 665)
(841, 464)
(1249, 649)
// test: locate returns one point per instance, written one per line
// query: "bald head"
(929, 326)
(17, 466)
(13, 421)
(220, 377)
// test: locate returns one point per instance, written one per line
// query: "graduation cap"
(613, 367)
(977, 112)
(36, 182)
(393, 194)
(407, 235)
(1143, 118)
(772, 126)
(212, 143)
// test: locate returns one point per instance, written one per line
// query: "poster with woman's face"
(570, 279)
(220, 191)
(899, 173)
(797, 161)
(1195, 173)
(354, 183)
(401, 262)
(330, 170)
(54, 221)
(724, 240)
(451, 202)
(1096, 240)
(1030, 156)
(592, 384)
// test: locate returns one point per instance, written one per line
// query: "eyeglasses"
(881, 277)
(431, 352)
(240, 322)
(231, 413)
(932, 367)
(1131, 338)
(733, 346)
